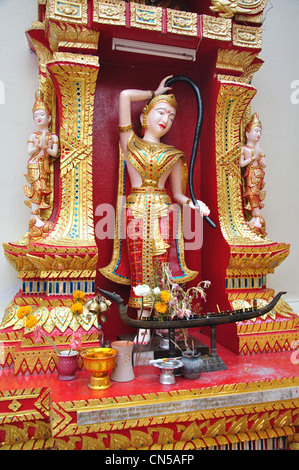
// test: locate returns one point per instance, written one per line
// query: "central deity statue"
(150, 234)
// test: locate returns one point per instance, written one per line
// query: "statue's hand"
(43, 140)
(162, 88)
(204, 210)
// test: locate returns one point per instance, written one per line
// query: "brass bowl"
(99, 361)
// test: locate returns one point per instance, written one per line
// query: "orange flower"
(23, 311)
(78, 295)
(77, 308)
(31, 321)
(160, 307)
(165, 296)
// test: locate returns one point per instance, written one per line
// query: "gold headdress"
(39, 103)
(254, 122)
(170, 99)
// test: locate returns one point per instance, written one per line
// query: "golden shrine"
(87, 52)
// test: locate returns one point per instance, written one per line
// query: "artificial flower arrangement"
(169, 298)
(25, 311)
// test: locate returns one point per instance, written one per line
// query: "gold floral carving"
(109, 12)
(69, 11)
(48, 318)
(234, 60)
(216, 28)
(181, 22)
(228, 8)
(146, 17)
(72, 36)
(247, 36)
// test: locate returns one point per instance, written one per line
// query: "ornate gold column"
(252, 257)
(74, 77)
(65, 259)
(69, 251)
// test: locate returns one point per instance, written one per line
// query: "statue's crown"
(170, 99)
(254, 122)
(39, 103)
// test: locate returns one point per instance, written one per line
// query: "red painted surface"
(135, 71)
(241, 369)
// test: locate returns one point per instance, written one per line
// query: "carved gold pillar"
(252, 257)
(74, 78)
(64, 260)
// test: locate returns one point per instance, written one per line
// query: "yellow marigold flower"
(23, 311)
(77, 308)
(78, 295)
(165, 296)
(160, 307)
(31, 321)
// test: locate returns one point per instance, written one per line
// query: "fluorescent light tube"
(139, 47)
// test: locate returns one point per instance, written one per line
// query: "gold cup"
(99, 361)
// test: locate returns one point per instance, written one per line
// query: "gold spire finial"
(39, 103)
(254, 122)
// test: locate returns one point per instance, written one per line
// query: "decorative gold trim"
(146, 17)
(234, 60)
(74, 11)
(221, 417)
(73, 37)
(14, 398)
(109, 12)
(61, 318)
(181, 22)
(55, 423)
(216, 28)
(71, 10)
(247, 36)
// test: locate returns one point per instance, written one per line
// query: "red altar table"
(251, 405)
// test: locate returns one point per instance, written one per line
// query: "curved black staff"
(195, 88)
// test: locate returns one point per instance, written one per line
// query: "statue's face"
(255, 134)
(41, 118)
(160, 118)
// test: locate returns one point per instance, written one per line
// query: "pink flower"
(76, 341)
(38, 333)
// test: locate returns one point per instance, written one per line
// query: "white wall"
(19, 75)
(280, 118)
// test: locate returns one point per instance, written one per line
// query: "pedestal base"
(99, 383)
